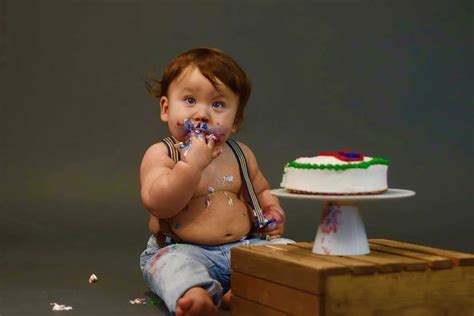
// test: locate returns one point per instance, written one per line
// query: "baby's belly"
(212, 220)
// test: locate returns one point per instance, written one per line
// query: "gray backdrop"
(386, 78)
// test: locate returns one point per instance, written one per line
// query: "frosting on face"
(203, 129)
(199, 130)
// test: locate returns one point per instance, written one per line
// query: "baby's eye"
(190, 101)
(217, 105)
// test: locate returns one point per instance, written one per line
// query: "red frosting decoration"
(344, 155)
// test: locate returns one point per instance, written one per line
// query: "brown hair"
(213, 64)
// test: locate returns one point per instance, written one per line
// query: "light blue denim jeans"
(170, 271)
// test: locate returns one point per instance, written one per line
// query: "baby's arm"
(166, 187)
(268, 202)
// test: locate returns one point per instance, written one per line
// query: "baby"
(205, 192)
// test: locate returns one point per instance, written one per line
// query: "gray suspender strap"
(173, 152)
(259, 219)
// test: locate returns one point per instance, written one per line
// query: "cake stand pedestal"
(341, 231)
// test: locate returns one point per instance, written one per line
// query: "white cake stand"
(341, 231)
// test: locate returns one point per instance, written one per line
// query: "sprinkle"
(155, 302)
(211, 136)
(60, 307)
(184, 146)
(226, 180)
(271, 223)
(245, 241)
(268, 237)
(93, 278)
(229, 199)
(208, 201)
(138, 301)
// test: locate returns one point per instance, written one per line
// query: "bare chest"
(223, 174)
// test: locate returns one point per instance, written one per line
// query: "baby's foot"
(225, 304)
(196, 301)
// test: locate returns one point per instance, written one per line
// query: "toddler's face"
(192, 97)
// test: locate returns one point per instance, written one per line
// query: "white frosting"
(349, 181)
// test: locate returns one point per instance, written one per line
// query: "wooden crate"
(394, 279)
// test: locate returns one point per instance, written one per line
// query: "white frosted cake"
(336, 173)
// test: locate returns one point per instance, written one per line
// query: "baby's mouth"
(198, 128)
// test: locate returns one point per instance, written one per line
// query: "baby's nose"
(201, 119)
(201, 115)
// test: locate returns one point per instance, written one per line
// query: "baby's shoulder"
(249, 155)
(157, 149)
(157, 154)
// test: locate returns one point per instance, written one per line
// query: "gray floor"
(50, 259)
(35, 277)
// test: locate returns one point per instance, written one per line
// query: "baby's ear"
(164, 108)
(235, 126)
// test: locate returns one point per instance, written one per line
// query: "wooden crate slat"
(434, 262)
(303, 245)
(355, 266)
(383, 263)
(447, 292)
(283, 271)
(304, 258)
(243, 307)
(462, 259)
(408, 263)
(275, 296)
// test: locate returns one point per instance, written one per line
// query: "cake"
(336, 173)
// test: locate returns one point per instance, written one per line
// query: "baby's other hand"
(202, 151)
(276, 227)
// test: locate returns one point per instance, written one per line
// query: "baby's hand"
(202, 151)
(276, 226)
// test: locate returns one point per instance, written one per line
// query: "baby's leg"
(196, 301)
(175, 271)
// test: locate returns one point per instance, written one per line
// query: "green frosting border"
(359, 165)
